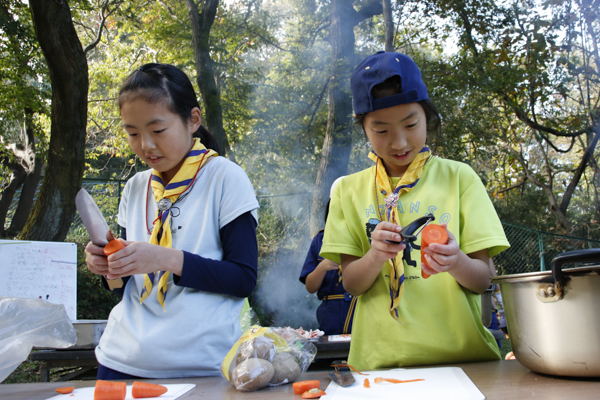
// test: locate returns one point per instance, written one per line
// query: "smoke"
(279, 295)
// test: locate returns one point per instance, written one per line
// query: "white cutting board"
(446, 383)
(173, 392)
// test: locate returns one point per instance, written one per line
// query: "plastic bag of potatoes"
(267, 357)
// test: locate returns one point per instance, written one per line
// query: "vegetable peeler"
(408, 234)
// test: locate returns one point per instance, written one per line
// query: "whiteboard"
(45, 270)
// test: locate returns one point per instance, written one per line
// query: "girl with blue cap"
(402, 319)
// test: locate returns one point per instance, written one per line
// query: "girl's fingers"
(385, 236)
(428, 270)
(388, 226)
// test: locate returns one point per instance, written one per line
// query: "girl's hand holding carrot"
(441, 257)
(144, 258)
(470, 270)
(95, 258)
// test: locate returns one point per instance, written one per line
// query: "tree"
(202, 23)
(534, 73)
(21, 98)
(53, 212)
(338, 139)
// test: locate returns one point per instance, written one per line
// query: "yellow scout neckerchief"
(166, 197)
(383, 187)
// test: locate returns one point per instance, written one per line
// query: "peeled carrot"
(109, 390)
(65, 390)
(391, 380)
(141, 390)
(366, 383)
(313, 394)
(113, 246)
(431, 234)
(305, 386)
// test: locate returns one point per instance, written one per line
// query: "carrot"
(367, 384)
(65, 390)
(109, 390)
(113, 246)
(313, 394)
(304, 386)
(391, 380)
(141, 390)
(431, 234)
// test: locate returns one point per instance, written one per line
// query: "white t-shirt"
(198, 329)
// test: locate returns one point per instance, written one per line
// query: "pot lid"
(547, 275)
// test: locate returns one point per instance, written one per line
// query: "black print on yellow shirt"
(406, 255)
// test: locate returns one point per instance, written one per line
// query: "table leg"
(44, 372)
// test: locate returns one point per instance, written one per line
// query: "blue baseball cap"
(375, 69)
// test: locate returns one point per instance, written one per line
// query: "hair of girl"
(392, 86)
(156, 83)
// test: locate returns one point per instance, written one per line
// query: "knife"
(92, 219)
(342, 375)
(96, 226)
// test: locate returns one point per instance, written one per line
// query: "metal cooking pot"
(553, 317)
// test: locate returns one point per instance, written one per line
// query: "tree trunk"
(26, 199)
(389, 25)
(585, 161)
(54, 210)
(16, 180)
(338, 137)
(33, 171)
(211, 96)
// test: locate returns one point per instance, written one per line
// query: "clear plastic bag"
(25, 323)
(267, 357)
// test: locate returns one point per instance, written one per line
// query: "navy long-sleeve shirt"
(235, 275)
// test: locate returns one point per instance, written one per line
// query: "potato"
(286, 369)
(264, 348)
(252, 374)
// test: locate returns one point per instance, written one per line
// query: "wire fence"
(533, 250)
(284, 224)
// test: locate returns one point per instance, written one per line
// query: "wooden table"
(496, 379)
(82, 360)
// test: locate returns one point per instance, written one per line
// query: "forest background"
(517, 84)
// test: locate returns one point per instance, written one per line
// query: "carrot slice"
(305, 386)
(109, 390)
(391, 380)
(65, 390)
(366, 383)
(113, 246)
(431, 234)
(140, 390)
(313, 394)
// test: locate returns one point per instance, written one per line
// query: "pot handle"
(576, 256)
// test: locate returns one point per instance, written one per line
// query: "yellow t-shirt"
(440, 321)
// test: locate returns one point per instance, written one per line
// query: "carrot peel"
(313, 394)
(431, 234)
(65, 390)
(392, 380)
(349, 366)
(366, 383)
(113, 246)
(140, 390)
(109, 390)
(305, 386)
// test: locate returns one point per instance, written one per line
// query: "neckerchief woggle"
(383, 187)
(166, 196)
